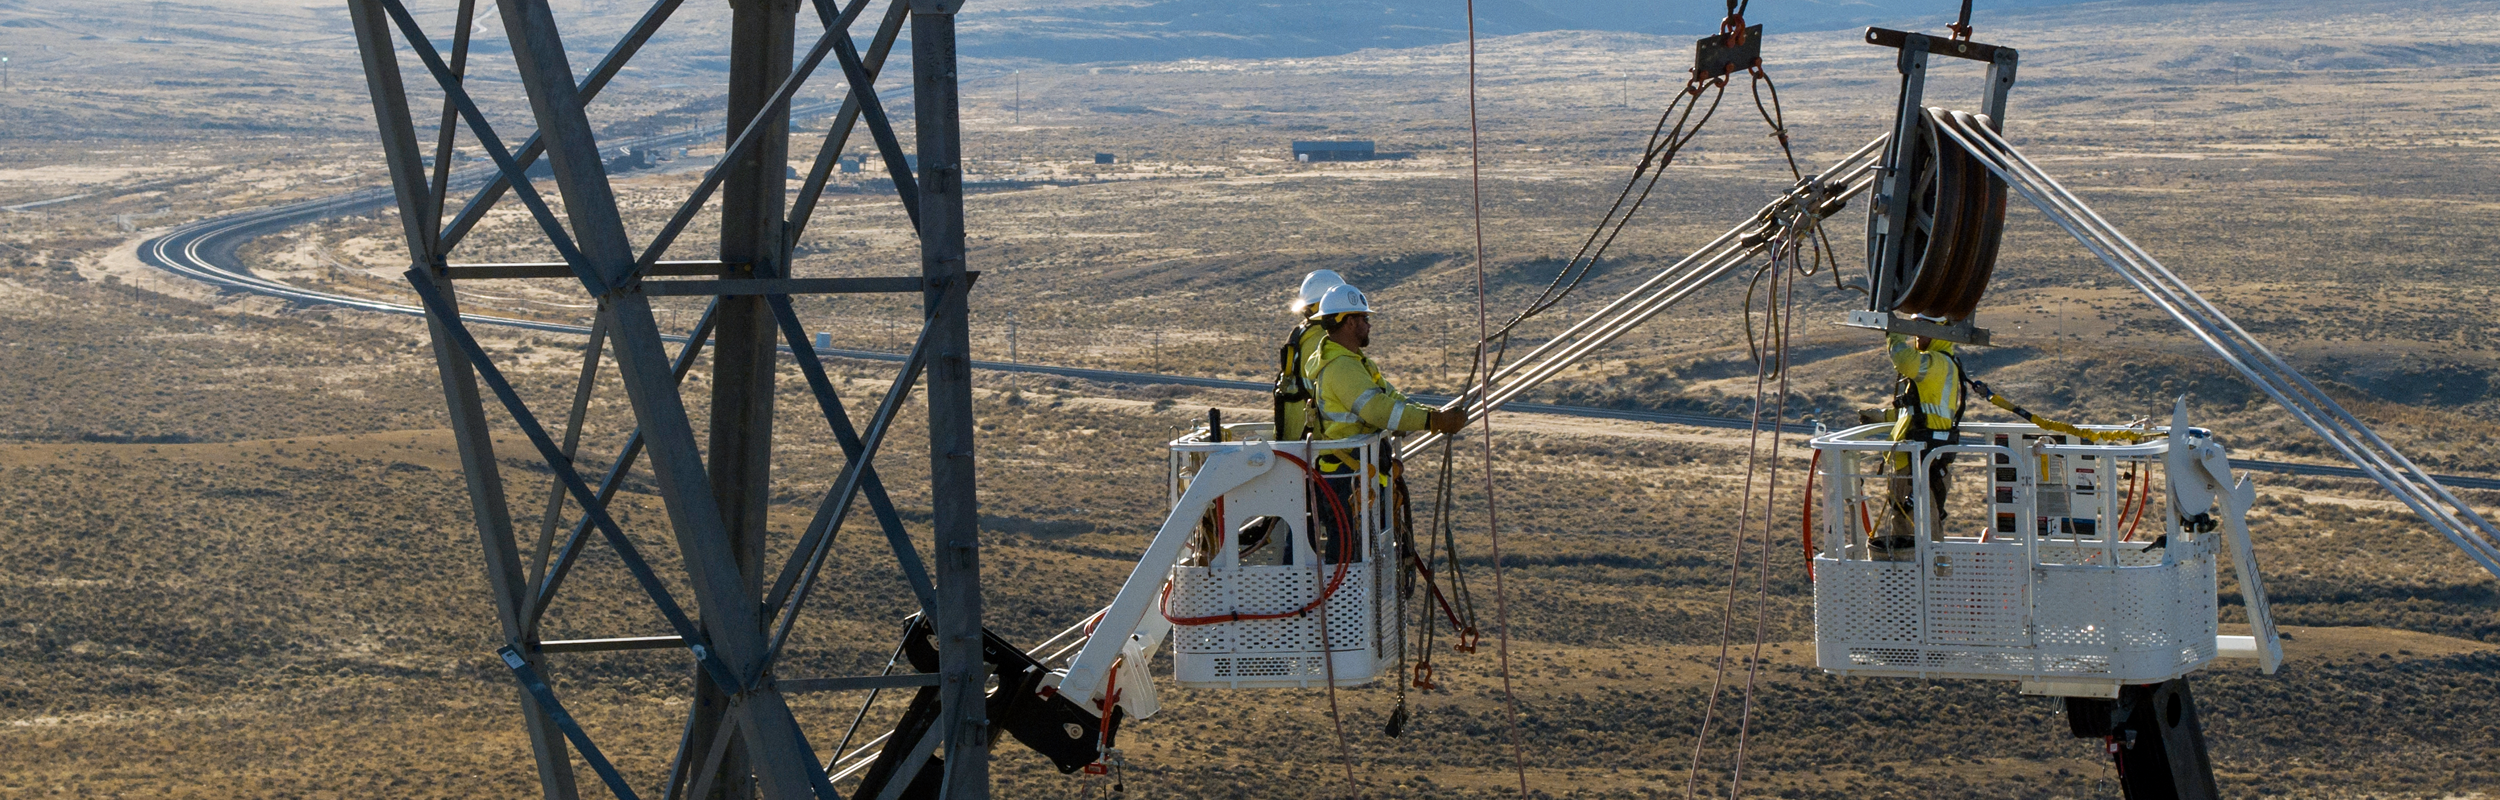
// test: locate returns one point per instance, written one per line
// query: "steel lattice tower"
(740, 736)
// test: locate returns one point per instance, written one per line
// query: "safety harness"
(1292, 390)
(1905, 400)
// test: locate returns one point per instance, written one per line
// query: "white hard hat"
(1344, 299)
(1314, 286)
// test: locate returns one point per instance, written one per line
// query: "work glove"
(1447, 421)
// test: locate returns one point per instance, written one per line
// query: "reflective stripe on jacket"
(1937, 379)
(1353, 398)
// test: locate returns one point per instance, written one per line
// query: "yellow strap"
(2045, 423)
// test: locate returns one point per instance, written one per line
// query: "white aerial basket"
(1249, 622)
(2060, 585)
(1287, 574)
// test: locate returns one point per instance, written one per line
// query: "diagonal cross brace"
(563, 468)
(563, 721)
(486, 138)
(747, 137)
(573, 419)
(546, 695)
(914, 572)
(544, 593)
(838, 136)
(451, 117)
(864, 87)
(474, 211)
(837, 503)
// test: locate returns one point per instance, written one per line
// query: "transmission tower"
(740, 736)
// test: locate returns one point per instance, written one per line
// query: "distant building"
(857, 162)
(629, 159)
(1103, 158)
(1345, 150)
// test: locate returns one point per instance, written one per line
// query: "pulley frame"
(1896, 241)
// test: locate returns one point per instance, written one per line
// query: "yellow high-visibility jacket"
(1297, 417)
(1937, 378)
(1354, 399)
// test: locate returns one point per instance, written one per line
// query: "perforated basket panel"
(1976, 594)
(1866, 612)
(2138, 623)
(1277, 652)
(2074, 612)
(1994, 662)
(1197, 593)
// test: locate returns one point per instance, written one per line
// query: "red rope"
(1484, 369)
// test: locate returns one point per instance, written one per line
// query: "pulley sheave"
(1956, 218)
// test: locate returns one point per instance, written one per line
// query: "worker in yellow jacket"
(1292, 393)
(1928, 411)
(1353, 399)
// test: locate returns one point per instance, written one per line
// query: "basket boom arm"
(1224, 471)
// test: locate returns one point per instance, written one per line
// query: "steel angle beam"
(1957, 48)
(754, 287)
(488, 505)
(857, 684)
(740, 737)
(474, 211)
(480, 272)
(838, 136)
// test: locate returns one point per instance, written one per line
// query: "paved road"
(205, 251)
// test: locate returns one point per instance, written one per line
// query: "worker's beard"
(1363, 339)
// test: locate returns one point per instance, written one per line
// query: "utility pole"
(1011, 337)
(1019, 97)
(4, 72)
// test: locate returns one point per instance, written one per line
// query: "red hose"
(1805, 518)
(2143, 498)
(1345, 541)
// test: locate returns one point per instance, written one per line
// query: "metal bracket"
(1714, 56)
(1975, 51)
(1963, 332)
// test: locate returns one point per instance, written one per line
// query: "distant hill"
(1160, 30)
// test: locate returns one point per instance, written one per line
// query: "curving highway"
(205, 251)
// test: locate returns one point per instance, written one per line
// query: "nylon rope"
(1770, 362)
(1484, 373)
(1787, 292)
(1348, 532)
